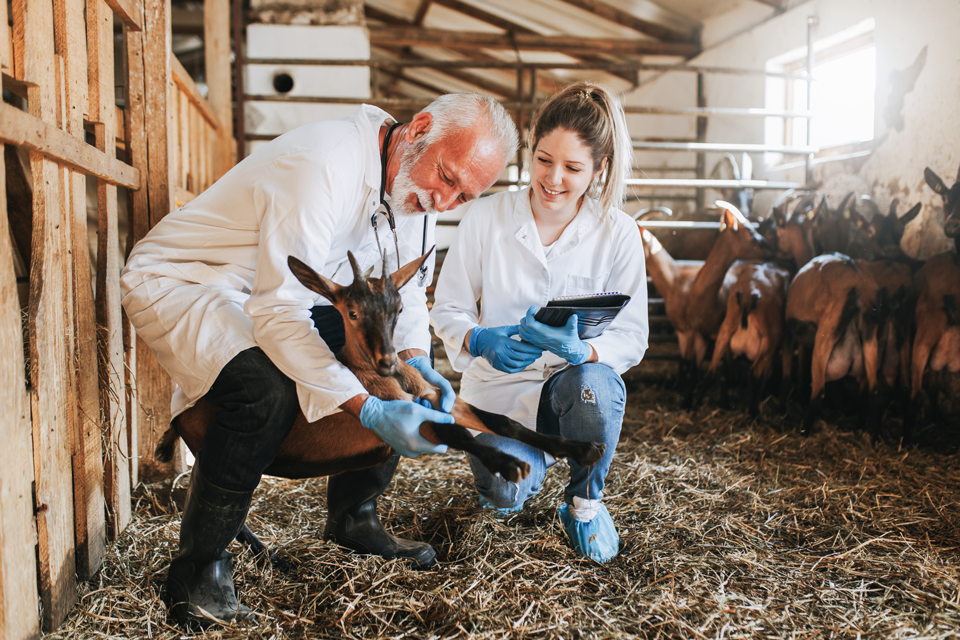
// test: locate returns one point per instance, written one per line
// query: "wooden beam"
(154, 386)
(189, 88)
(24, 130)
(18, 564)
(384, 16)
(89, 514)
(130, 11)
(6, 42)
(216, 20)
(117, 487)
(421, 13)
(572, 45)
(625, 18)
(49, 325)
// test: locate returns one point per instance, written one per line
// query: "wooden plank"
(18, 533)
(89, 514)
(130, 398)
(216, 40)
(572, 45)
(183, 139)
(189, 87)
(18, 34)
(109, 321)
(51, 334)
(153, 384)
(130, 11)
(6, 41)
(627, 19)
(25, 130)
(195, 138)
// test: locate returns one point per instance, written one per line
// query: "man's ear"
(314, 281)
(402, 275)
(419, 126)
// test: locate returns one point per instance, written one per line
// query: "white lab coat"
(498, 260)
(211, 279)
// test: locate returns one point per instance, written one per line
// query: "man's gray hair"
(455, 111)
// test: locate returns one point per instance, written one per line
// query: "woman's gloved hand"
(500, 350)
(447, 395)
(397, 422)
(562, 341)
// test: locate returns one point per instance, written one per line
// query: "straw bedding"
(729, 528)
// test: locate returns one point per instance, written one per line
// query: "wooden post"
(216, 38)
(109, 320)
(154, 387)
(88, 454)
(50, 328)
(18, 565)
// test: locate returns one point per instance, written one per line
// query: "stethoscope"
(422, 273)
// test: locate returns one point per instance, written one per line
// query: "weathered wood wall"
(80, 427)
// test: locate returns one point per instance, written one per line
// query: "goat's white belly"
(747, 342)
(946, 355)
(846, 359)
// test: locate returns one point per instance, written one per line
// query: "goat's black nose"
(952, 228)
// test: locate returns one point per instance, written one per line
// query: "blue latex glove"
(500, 350)
(597, 539)
(397, 422)
(447, 396)
(562, 341)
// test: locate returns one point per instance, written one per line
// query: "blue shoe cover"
(501, 512)
(597, 539)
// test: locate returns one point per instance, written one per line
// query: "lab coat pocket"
(582, 285)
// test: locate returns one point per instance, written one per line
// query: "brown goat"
(833, 308)
(951, 204)
(338, 442)
(753, 326)
(673, 279)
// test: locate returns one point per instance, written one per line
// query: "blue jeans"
(585, 402)
(260, 405)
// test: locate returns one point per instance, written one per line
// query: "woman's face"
(562, 171)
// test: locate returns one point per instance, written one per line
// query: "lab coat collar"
(587, 219)
(369, 119)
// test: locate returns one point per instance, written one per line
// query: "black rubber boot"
(352, 516)
(200, 582)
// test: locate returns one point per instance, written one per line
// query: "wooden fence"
(80, 427)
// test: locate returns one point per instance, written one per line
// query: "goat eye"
(353, 315)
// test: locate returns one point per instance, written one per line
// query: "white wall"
(931, 117)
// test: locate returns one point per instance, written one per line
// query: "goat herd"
(829, 288)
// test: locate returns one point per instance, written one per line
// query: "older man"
(209, 290)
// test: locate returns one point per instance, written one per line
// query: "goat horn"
(358, 277)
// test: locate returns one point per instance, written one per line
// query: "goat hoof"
(516, 470)
(589, 454)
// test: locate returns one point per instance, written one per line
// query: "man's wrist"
(354, 405)
(408, 354)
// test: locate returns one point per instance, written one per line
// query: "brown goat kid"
(338, 442)
(753, 326)
(833, 308)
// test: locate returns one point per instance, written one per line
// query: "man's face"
(438, 175)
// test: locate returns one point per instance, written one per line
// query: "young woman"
(516, 250)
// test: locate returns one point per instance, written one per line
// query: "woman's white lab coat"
(211, 279)
(498, 260)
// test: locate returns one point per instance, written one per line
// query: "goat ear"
(728, 221)
(313, 280)
(822, 210)
(900, 226)
(934, 181)
(402, 275)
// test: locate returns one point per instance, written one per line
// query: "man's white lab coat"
(498, 260)
(211, 279)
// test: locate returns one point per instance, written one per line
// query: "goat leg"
(263, 556)
(459, 437)
(583, 453)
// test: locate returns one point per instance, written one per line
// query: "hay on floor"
(729, 528)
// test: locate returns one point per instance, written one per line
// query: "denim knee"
(590, 385)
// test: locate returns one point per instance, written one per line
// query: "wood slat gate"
(80, 427)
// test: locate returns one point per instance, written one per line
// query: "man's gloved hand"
(500, 350)
(397, 422)
(562, 341)
(447, 395)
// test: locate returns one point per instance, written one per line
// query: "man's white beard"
(403, 186)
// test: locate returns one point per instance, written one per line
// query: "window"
(843, 92)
